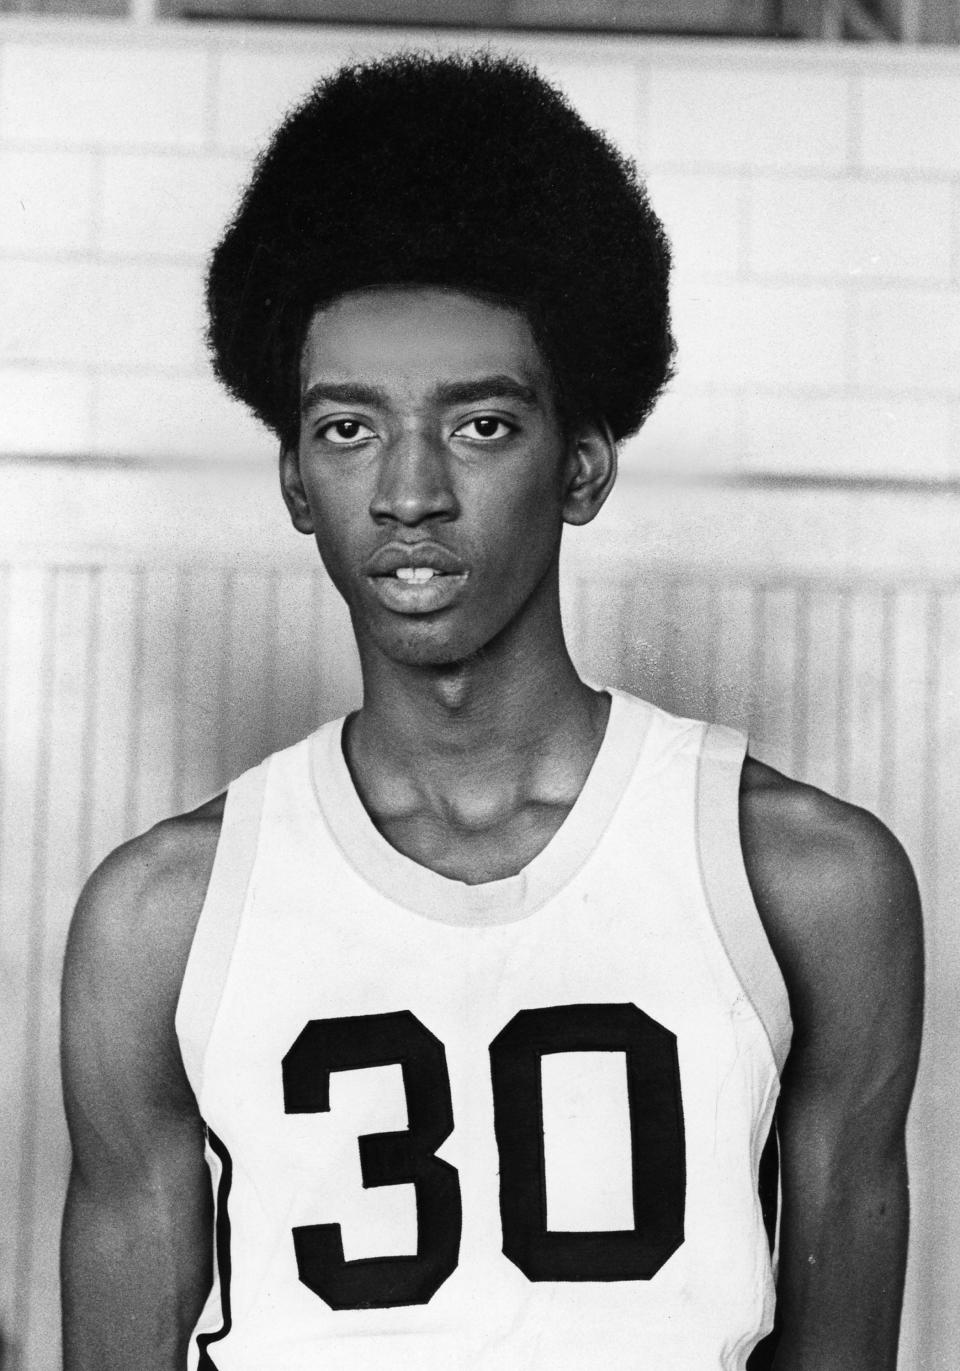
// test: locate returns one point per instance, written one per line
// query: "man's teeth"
(414, 573)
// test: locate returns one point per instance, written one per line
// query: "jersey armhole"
(729, 896)
(215, 936)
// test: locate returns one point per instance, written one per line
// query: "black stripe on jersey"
(222, 1240)
(768, 1189)
(768, 1184)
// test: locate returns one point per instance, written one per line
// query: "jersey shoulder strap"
(211, 951)
(729, 897)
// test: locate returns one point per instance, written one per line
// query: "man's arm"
(136, 1256)
(841, 908)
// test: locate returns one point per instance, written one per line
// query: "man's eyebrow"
(447, 392)
(485, 388)
(342, 393)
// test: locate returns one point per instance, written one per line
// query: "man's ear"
(592, 470)
(294, 495)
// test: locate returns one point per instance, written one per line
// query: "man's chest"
(491, 848)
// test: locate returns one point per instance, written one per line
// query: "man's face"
(431, 467)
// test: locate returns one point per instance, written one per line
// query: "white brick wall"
(830, 228)
(812, 196)
(46, 201)
(146, 313)
(117, 94)
(704, 216)
(744, 114)
(100, 313)
(688, 432)
(46, 410)
(47, 311)
(169, 415)
(255, 89)
(908, 339)
(886, 436)
(607, 93)
(746, 334)
(166, 204)
(911, 121)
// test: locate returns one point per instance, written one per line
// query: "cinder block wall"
(813, 195)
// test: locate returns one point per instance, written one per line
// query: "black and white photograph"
(479, 707)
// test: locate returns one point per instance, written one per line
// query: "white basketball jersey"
(498, 1126)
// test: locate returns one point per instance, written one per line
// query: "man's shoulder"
(138, 912)
(126, 955)
(835, 889)
(801, 840)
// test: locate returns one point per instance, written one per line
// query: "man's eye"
(344, 431)
(484, 428)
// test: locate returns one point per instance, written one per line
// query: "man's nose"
(413, 483)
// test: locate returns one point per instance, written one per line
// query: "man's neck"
(476, 741)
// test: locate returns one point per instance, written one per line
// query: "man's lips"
(434, 577)
(388, 560)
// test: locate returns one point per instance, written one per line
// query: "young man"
(476, 1005)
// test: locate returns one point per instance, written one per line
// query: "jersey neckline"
(424, 891)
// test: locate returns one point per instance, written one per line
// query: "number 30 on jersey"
(408, 1156)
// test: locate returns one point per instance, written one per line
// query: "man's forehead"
(420, 335)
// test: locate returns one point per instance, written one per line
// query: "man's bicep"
(136, 1240)
(856, 971)
(853, 957)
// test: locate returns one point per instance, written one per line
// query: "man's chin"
(426, 646)
(437, 656)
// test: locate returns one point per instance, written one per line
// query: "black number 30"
(656, 1140)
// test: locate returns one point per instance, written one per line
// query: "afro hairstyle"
(468, 172)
